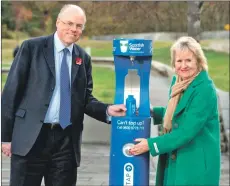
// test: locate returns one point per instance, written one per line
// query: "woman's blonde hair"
(192, 45)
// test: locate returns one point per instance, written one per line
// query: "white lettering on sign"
(136, 46)
(128, 174)
(130, 125)
(119, 122)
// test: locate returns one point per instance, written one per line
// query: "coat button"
(173, 156)
(175, 125)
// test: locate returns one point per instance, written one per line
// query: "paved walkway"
(224, 105)
(94, 170)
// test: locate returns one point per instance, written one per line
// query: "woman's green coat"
(190, 153)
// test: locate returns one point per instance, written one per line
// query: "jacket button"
(173, 156)
(47, 104)
(175, 125)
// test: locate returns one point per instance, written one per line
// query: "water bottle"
(131, 106)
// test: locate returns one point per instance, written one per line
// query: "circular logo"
(128, 168)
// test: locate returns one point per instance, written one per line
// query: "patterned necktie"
(65, 92)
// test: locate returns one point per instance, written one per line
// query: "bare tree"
(21, 14)
(193, 18)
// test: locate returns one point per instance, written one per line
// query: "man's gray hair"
(71, 6)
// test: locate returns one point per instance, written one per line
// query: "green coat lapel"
(189, 91)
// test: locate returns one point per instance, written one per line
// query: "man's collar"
(59, 45)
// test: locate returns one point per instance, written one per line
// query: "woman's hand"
(140, 147)
(151, 112)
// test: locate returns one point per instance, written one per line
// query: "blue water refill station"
(132, 59)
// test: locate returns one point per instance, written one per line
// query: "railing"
(5, 70)
(162, 69)
(94, 60)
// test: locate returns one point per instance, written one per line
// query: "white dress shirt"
(52, 115)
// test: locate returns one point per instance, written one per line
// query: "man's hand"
(140, 147)
(116, 110)
(6, 149)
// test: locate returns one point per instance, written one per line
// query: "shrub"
(6, 33)
(34, 32)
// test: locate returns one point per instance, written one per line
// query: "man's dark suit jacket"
(29, 88)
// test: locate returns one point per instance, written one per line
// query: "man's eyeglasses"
(71, 24)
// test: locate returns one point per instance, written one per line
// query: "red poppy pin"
(78, 61)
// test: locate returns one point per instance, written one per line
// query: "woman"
(189, 148)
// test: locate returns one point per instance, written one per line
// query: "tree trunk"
(193, 18)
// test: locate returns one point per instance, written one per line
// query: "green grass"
(104, 83)
(98, 48)
(218, 62)
(7, 65)
(8, 46)
(162, 55)
(3, 78)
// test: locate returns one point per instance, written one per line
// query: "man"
(48, 90)
(15, 51)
